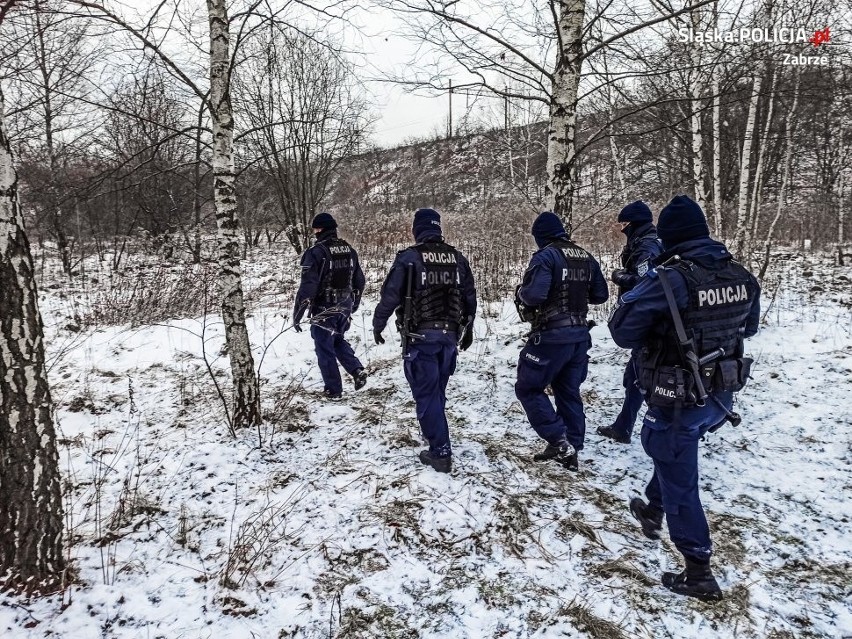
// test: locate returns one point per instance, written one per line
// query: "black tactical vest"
(569, 287)
(336, 284)
(437, 284)
(719, 305)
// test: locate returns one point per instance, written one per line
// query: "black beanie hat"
(547, 226)
(681, 220)
(323, 221)
(636, 211)
(426, 222)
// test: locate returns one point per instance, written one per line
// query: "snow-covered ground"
(322, 523)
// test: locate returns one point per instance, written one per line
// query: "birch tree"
(741, 228)
(841, 202)
(31, 557)
(696, 77)
(562, 133)
(789, 130)
(759, 170)
(246, 396)
(741, 225)
(246, 401)
(715, 87)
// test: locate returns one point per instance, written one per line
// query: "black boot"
(560, 452)
(696, 580)
(360, 378)
(610, 433)
(570, 462)
(440, 464)
(650, 518)
(332, 396)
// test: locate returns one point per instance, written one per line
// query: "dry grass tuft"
(575, 525)
(586, 621)
(623, 568)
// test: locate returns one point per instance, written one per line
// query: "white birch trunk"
(841, 211)
(561, 135)
(789, 129)
(31, 557)
(717, 139)
(741, 228)
(246, 401)
(757, 193)
(696, 79)
(717, 156)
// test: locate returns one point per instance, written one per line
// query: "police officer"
(331, 288)
(560, 282)
(717, 303)
(641, 248)
(441, 311)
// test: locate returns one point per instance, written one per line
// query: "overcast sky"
(402, 113)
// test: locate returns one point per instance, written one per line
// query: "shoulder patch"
(642, 269)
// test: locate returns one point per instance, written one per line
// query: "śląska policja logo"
(776, 35)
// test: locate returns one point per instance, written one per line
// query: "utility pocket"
(672, 385)
(533, 370)
(645, 367)
(732, 374)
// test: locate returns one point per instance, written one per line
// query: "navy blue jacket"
(393, 289)
(643, 314)
(636, 258)
(536, 287)
(314, 269)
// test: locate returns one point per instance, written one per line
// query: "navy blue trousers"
(563, 367)
(633, 399)
(674, 484)
(428, 364)
(331, 347)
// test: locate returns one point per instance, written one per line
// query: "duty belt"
(438, 326)
(571, 320)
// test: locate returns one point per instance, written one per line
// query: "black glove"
(467, 338)
(623, 278)
(298, 312)
(377, 335)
